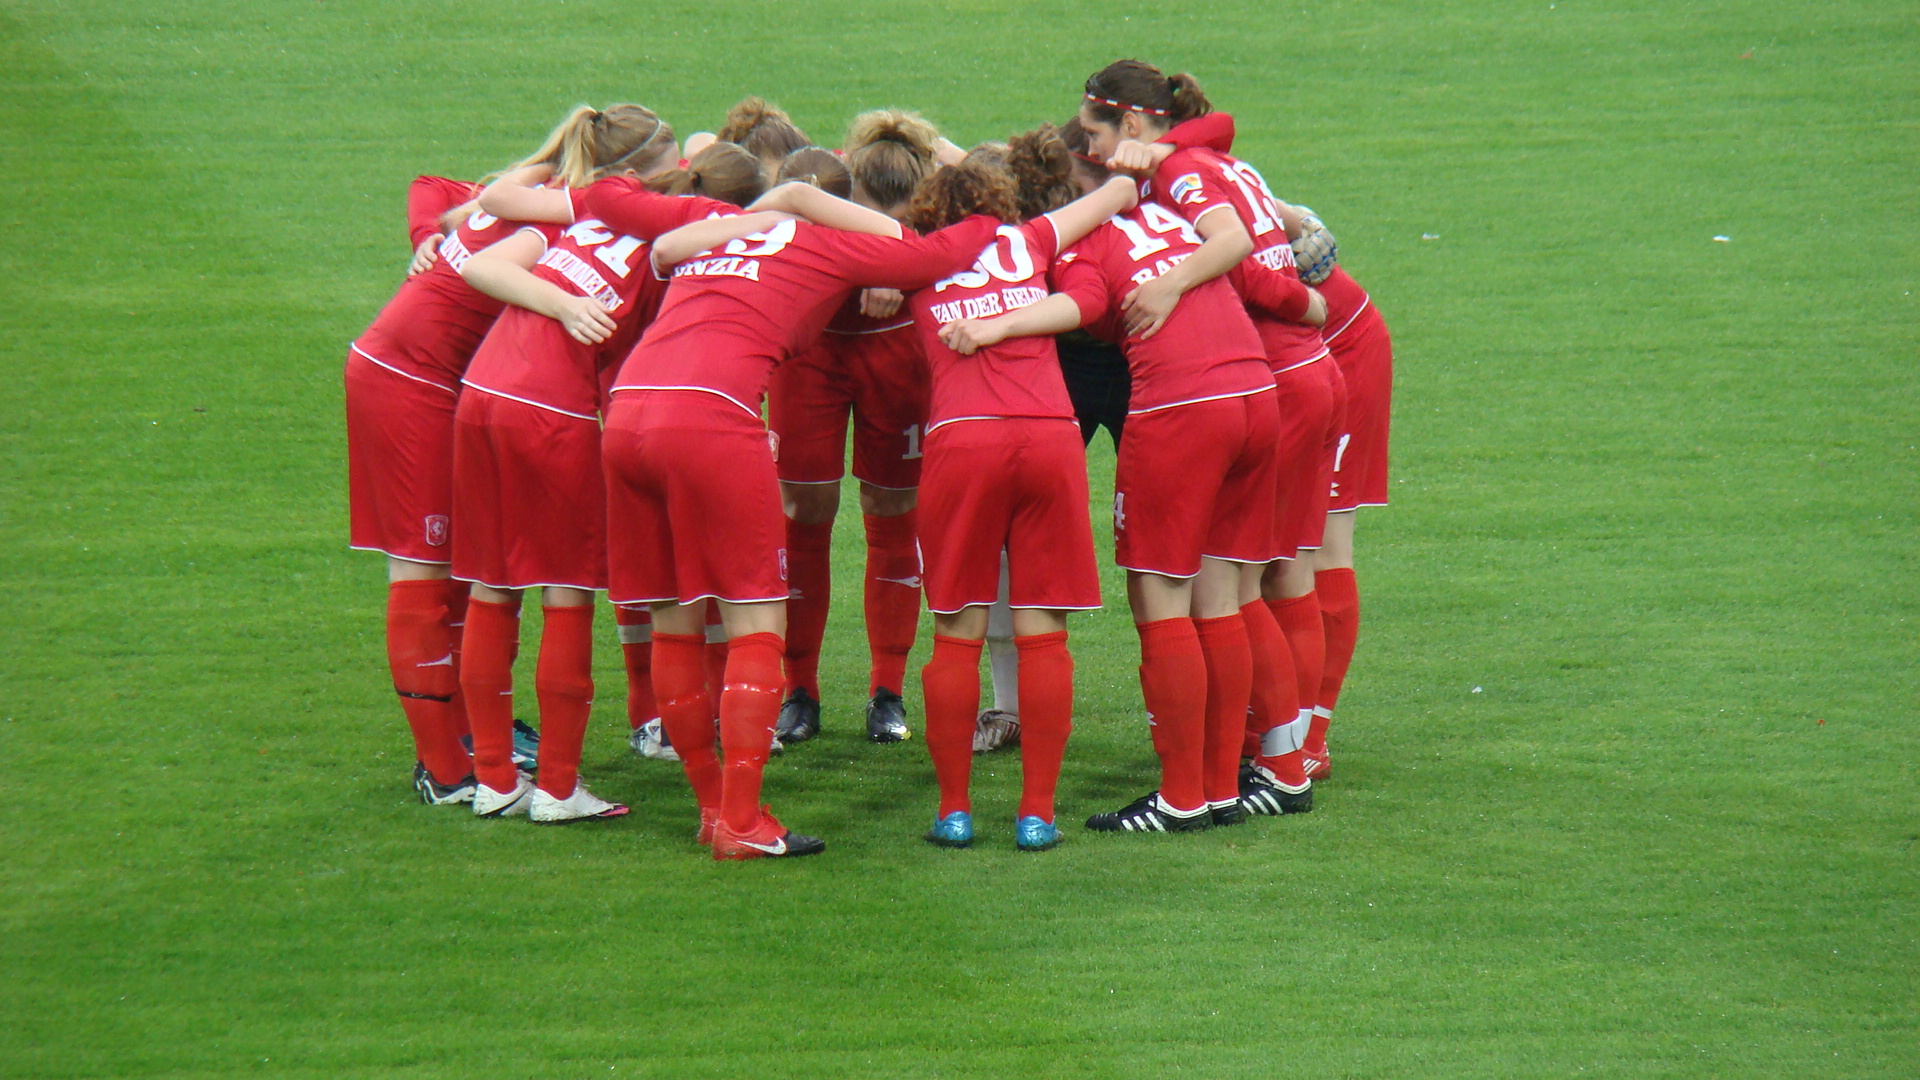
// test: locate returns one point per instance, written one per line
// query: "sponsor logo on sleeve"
(1187, 190)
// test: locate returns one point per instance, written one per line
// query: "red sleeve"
(914, 261)
(1271, 292)
(1079, 275)
(428, 197)
(1044, 237)
(1186, 186)
(624, 204)
(1214, 131)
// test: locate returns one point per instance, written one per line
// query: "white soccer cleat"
(649, 740)
(579, 806)
(490, 803)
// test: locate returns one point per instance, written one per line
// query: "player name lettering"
(728, 266)
(989, 305)
(1160, 266)
(583, 277)
(455, 252)
(1277, 257)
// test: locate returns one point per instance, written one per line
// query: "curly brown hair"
(955, 192)
(1042, 171)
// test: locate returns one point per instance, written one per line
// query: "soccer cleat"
(1260, 793)
(1032, 833)
(995, 729)
(1233, 813)
(526, 744)
(649, 740)
(768, 839)
(799, 718)
(1148, 814)
(490, 803)
(1319, 766)
(955, 830)
(887, 717)
(579, 806)
(709, 817)
(434, 793)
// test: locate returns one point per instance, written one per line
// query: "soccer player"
(765, 131)
(1005, 472)
(870, 366)
(402, 382)
(1130, 99)
(529, 498)
(1193, 501)
(693, 501)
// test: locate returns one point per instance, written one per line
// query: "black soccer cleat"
(1261, 794)
(887, 717)
(1147, 814)
(799, 718)
(1234, 813)
(434, 793)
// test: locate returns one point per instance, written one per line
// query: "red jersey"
(431, 327)
(1196, 181)
(428, 200)
(1208, 348)
(1346, 302)
(531, 358)
(730, 316)
(1018, 377)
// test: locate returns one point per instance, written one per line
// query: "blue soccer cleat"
(955, 830)
(1032, 833)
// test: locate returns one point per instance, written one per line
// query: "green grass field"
(1626, 769)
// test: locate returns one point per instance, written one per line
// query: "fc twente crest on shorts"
(437, 530)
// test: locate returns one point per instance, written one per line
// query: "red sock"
(809, 591)
(950, 686)
(1340, 619)
(486, 677)
(1173, 680)
(1046, 718)
(419, 654)
(680, 690)
(1299, 620)
(1276, 690)
(563, 681)
(747, 712)
(892, 597)
(636, 647)
(456, 626)
(1224, 647)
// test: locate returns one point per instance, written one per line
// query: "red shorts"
(1365, 355)
(1018, 485)
(399, 463)
(1197, 480)
(1309, 435)
(527, 496)
(882, 379)
(693, 505)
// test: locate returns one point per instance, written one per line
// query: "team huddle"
(616, 368)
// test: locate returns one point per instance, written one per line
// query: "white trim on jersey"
(533, 585)
(677, 602)
(1322, 355)
(816, 483)
(883, 487)
(1195, 221)
(1328, 338)
(536, 404)
(1198, 400)
(1156, 573)
(876, 330)
(1016, 607)
(755, 413)
(377, 362)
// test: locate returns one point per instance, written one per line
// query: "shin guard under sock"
(1046, 718)
(950, 687)
(1223, 645)
(563, 683)
(892, 597)
(420, 650)
(680, 691)
(809, 593)
(1173, 680)
(748, 709)
(486, 677)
